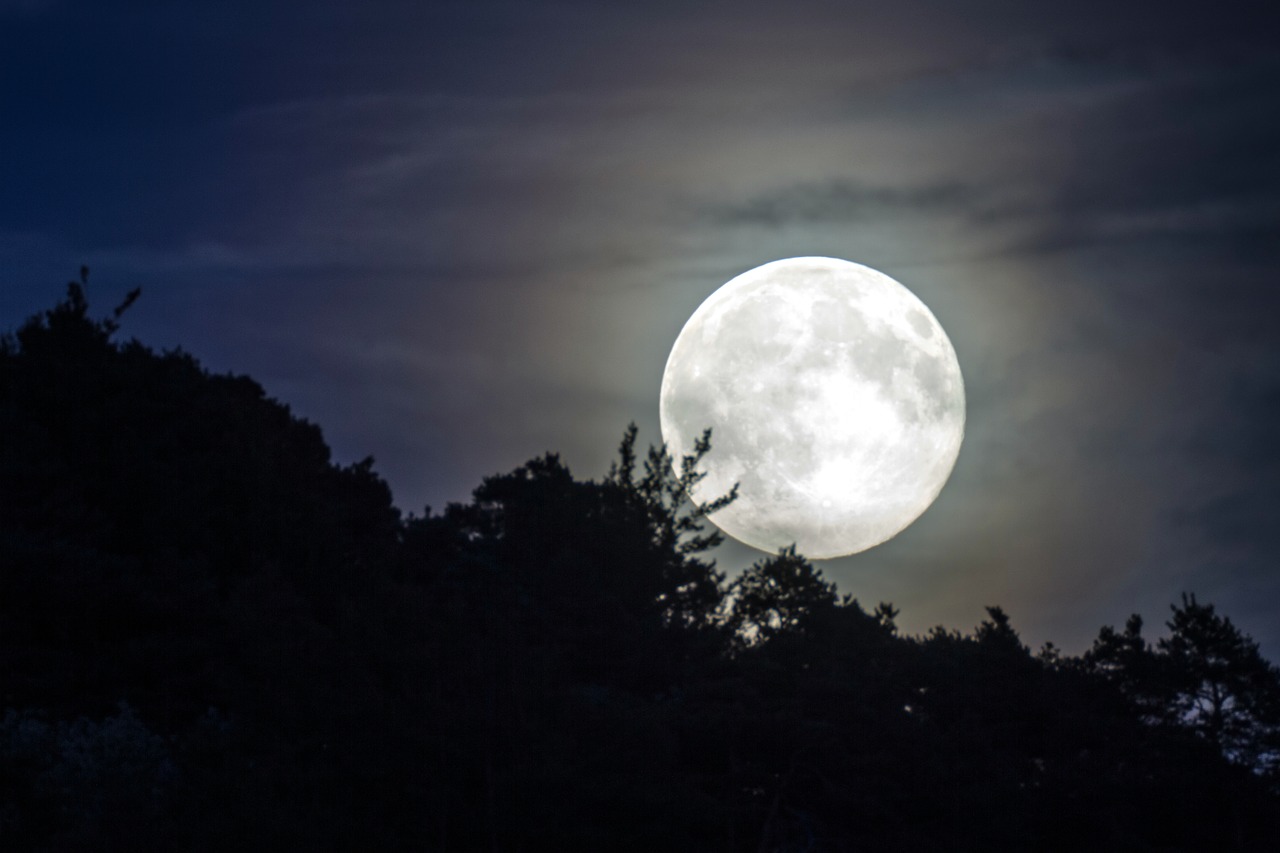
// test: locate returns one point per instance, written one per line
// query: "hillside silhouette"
(213, 637)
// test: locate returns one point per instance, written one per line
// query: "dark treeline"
(214, 638)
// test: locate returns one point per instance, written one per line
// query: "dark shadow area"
(213, 638)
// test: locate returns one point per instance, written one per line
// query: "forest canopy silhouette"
(214, 637)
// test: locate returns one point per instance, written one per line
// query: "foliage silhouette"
(212, 637)
(779, 597)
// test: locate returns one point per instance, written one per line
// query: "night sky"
(459, 234)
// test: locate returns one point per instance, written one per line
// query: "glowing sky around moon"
(835, 400)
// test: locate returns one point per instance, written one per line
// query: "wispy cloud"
(840, 201)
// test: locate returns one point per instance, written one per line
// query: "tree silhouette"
(1206, 677)
(213, 637)
(677, 523)
(780, 596)
(1131, 664)
(1224, 690)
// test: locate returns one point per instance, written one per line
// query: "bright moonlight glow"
(835, 401)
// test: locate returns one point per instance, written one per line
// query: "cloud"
(840, 201)
(1191, 155)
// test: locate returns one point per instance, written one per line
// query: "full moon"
(835, 402)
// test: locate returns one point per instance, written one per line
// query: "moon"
(835, 402)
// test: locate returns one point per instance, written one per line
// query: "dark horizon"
(214, 638)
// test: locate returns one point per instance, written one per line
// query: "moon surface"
(835, 401)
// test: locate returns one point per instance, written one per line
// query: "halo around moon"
(835, 401)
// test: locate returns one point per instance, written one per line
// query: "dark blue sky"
(459, 234)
